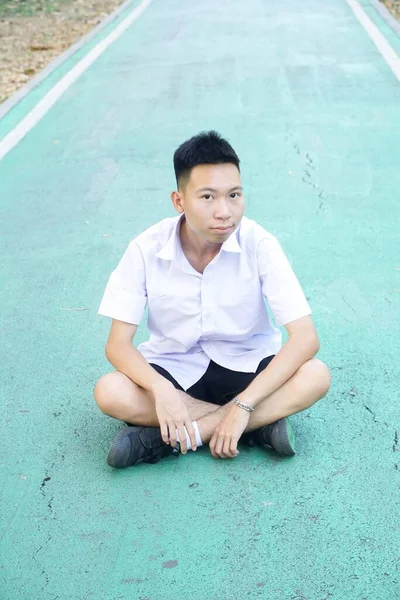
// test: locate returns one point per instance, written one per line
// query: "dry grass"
(393, 6)
(34, 32)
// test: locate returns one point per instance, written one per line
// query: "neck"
(191, 243)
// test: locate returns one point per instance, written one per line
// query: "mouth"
(223, 229)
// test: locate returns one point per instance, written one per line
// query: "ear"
(177, 198)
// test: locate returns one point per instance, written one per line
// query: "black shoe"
(135, 445)
(278, 436)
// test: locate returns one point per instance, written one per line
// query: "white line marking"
(44, 105)
(377, 37)
(20, 94)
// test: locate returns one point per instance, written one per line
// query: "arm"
(124, 302)
(302, 345)
(283, 292)
(125, 358)
(171, 410)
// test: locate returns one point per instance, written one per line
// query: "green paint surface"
(313, 111)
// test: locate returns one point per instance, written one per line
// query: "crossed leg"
(119, 397)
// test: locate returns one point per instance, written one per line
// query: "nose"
(222, 210)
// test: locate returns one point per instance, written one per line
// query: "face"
(212, 201)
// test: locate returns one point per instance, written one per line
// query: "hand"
(173, 415)
(223, 443)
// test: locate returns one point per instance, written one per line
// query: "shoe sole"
(114, 458)
(283, 438)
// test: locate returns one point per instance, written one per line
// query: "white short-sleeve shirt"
(220, 314)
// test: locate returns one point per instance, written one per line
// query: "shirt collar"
(232, 243)
(168, 252)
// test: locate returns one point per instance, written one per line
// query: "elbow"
(108, 351)
(315, 344)
(115, 349)
(309, 343)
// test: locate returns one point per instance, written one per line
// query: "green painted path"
(313, 111)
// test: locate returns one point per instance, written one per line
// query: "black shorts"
(218, 385)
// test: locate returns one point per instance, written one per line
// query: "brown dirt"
(30, 41)
(393, 6)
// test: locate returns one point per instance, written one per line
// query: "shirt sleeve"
(125, 296)
(280, 286)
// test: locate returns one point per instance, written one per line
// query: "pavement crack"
(45, 480)
(309, 161)
(43, 484)
(372, 413)
(307, 179)
(43, 572)
(46, 578)
(349, 305)
(396, 442)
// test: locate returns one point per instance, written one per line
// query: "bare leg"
(310, 383)
(119, 397)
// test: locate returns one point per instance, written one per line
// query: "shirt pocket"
(174, 313)
(242, 307)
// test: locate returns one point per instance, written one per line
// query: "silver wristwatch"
(241, 405)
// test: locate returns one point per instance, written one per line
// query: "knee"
(106, 390)
(318, 374)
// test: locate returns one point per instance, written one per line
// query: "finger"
(218, 447)
(182, 437)
(226, 448)
(192, 435)
(164, 432)
(211, 445)
(233, 447)
(172, 433)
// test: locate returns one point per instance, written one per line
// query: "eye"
(206, 196)
(234, 194)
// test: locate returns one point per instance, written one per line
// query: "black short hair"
(206, 148)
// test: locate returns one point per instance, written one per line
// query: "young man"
(214, 369)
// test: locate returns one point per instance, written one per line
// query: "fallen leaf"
(41, 47)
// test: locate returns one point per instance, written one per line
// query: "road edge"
(386, 15)
(19, 95)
